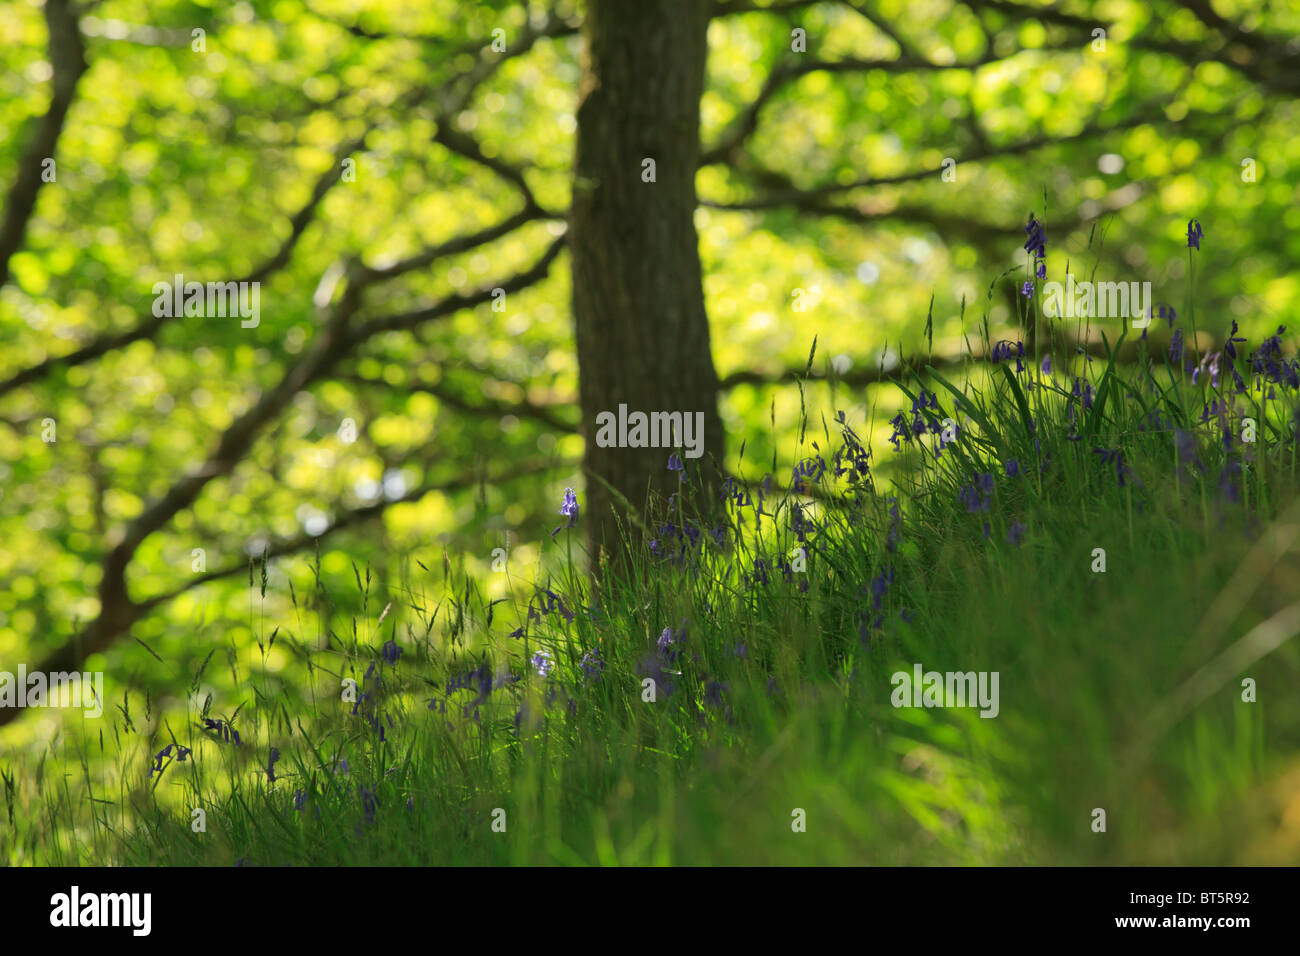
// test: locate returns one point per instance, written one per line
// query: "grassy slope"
(1113, 690)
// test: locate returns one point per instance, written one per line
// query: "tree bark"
(638, 301)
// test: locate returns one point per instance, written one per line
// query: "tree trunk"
(638, 301)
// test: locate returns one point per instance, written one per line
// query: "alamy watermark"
(1113, 300)
(76, 909)
(951, 689)
(655, 430)
(57, 689)
(212, 300)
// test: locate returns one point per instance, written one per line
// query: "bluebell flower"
(1015, 533)
(569, 509)
(1114, 456)
(369, 804)
(808, 470)
(1194, 234)
(391, 652)
(270, 765)
(542, 663)
(895, 526)
(1013, 467)
(1176, 347)
(592, 666)
(1230, 348)
(651, 667)
(1230, 480)
(975, 497)
(1037, 241)
(1005, 351)
(299, 799)
(158, 760)
(736, 493)
(879, 585)
(674, 463)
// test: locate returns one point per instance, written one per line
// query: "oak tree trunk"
(638, 301)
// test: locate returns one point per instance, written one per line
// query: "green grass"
(1119, 690)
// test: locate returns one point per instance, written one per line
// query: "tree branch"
(68, 59)
(545, 414)
(117, 611)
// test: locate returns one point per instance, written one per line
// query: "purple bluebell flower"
(1185, 447)
(391, 652)
(270, 765)
(1230, 347)
(1176, 347)
(165, 753)
(569, 509)
(651, 667)
(1015, 533)
(879, 585)
(1230, 481)
(800, 523)
(736, 493)
(1046, 367)
(1027, 289)
(299, 799)
(1037, 241)
(674, 463)
(1265, 359)
(1114, 456)
(369, 804)
(542, 663)
(976, 496)
(1194, 234)
(1013, 467)
(1005, 351)
(900, 431)
(895, 526)
(808, 470)
(592, 666)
